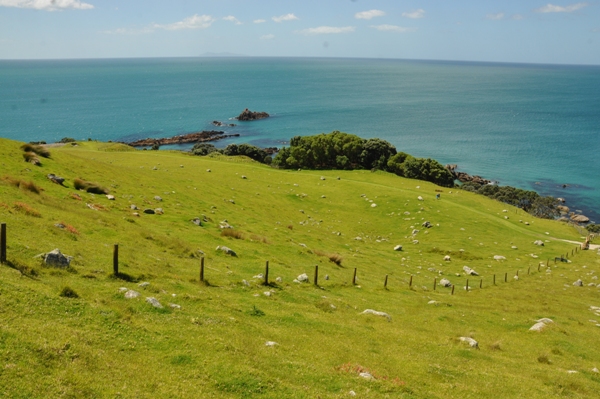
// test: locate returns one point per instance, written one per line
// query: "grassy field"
(102, 345)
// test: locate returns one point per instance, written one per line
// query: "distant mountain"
(222, 55)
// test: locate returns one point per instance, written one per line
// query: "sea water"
(530, 126)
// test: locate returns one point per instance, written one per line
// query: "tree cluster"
(251, 151)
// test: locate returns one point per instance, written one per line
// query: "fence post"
(467, 287)
(505, 277)
(434, 282)
(354, 277)
(494, 279)
(538, 267)
(410, 282)
(267, 273)
(116, 259)
(3, 243)
(317, 275)
(385, 282)
(452, 293)
(202, 269)
(528, 269)
(481, 283)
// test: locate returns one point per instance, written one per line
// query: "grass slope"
(103, 345)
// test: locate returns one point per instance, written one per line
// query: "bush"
(232, 233)
(32, 157)
(203, 149)
(90, 187)
(593, 228)
(38, 149)
(67, 140)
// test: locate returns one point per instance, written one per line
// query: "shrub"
(203, 149)
(90, 187)
(68, 292)
(593, 228)
(67, 140)
(26, 209)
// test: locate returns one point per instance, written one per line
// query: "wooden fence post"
(538, 267)
(267, 273)
(494, 279)
(452, 293)
(505, 277)
(467, 287)
(116, 259)
(354, 277)
(385, 282)
(202, 269)
(316, 275)
(410, 282)
(481, 283)
(434, 282)
(3, 243)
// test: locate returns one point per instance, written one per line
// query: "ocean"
(529, 126)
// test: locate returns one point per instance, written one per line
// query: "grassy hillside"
(101, 344)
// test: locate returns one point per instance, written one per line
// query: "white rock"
(377, 313)
(352, 393)
(110, 197)
(398, 248)
(174, 306)
(259, 276)
(447, 258)
(578, 283)
(267, 293)
(432, 302)
(420, 198)
(154, 302)
(130, 294)
(271, 343)
(539, 242)
(499, 257)
(415, 241)
(366, 376)
(472, 343)
(247, 284)
(445, 283)
(373, 205)
(144, 284)
(572, 372)
(303, 278)
(279, 280)
(595, 370)
(123, 289)
(470, 271)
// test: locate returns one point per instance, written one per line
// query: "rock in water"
(248, 115)
(56, 258)
(580, 218)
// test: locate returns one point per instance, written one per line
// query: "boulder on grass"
(57, 259)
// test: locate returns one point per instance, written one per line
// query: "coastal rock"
(248, 115)
(197, 137)
(580, 218)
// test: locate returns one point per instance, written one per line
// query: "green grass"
(100, 344)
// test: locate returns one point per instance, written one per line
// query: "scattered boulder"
(110, 197)
(499, 257)
(398, 248)
(447, 258)
(445, 282)
(57, 259)
(144, 284)
(541, 324)
(56, 179)
(159, 211)
(197, 221)
(426, 224)
(470, 271)
(303, 278)
(377, 313)
(580, 219)
(373, 205)
(539, 242)
(271, 343)
(130, 294)
(420, 198)
(578, 283)
(225, 225)
(472, 343)
(154, 302)
(133, 207)
(174, 306)
(366, 376)
(226, 250)
(157, 198)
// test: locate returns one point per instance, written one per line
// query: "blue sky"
(530, 31)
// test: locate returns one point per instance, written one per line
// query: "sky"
(519, 31)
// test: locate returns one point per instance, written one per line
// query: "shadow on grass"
(25, 270)
(126, 277)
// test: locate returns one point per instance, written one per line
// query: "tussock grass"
(90, 187)
(68, 292)
(25, 185)
(37, 149)
(238, 235)
(333, 257)
(26, 209)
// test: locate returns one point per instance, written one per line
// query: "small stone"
(366, 376)
(420, 198)
(208, 170)
(159, 211)
(123, 289)
(244, 177)
(327, 277)
(174, 306)
(133, 207)
(303, 278)
(578, 283)
(110, 197)
(595, 370)
(130, 294)
(398, 248)
(472, 343)
(279, 280)
(247, 284)
(373, 205)
(499, 257)
(57, 258)
(271, 343)
(267, 293)
(144, 284)
(226, 250)
(572, 372)
(470, 271)
(377, 313)
(154, 302)
(539, 242)
(157, 198)
(445, 283)
(447, 258)
(352, 393)
(259, 276)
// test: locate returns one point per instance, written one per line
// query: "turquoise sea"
(530, 126)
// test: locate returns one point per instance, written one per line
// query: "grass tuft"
(90, 187)
(335, 258)
(37, 149)
(68, 292)
(27, 210)
(232, 233)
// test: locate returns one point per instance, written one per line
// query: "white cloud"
(286, 17)
(415, 14)
(128, 31)
(369, 14)
(194, 22)
(552, 8)
(259, 21)
(47, 5)
(267, 37)
(393, 28)
(232, 19)
(517, 17)
(324, 30)
(495, 17)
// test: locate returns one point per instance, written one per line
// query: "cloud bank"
(415, 14)
(194, 22)
(393, 28)
(47, 5)
(369, 14)
(552, 8)
(286, 17)
(325, 30)
(233, 19)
